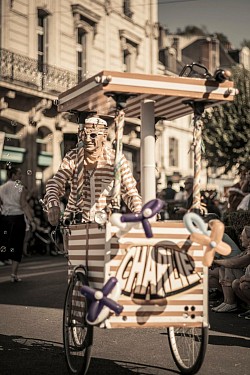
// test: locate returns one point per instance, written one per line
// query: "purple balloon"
(155, 205)
(97, 304)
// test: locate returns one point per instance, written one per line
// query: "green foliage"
(191, 30)
(236, 221)
(226, 133)
(222, 38)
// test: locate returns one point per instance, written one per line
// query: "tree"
(226, 133)
(222, 38)
(191, 30)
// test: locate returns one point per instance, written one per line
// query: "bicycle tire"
(188, 347)
(77, 334)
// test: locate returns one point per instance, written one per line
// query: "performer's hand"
(54, 215)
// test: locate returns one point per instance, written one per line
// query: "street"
(31, 332)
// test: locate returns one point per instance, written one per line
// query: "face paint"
(92, 135)
(91, 140)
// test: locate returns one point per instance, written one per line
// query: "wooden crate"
(163, 280)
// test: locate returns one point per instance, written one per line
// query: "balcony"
(23, 71)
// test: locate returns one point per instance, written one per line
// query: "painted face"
(93, 137)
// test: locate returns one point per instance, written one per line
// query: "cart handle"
(101, 305)
(126, 221)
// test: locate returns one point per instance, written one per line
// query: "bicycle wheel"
(77, 334)
(188, 347)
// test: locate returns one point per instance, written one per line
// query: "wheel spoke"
(188, 346)
(76, 332)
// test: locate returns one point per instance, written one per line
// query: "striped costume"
(91, 190)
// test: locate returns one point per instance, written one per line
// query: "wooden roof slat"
(167, 92)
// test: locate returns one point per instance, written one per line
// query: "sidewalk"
(35, 265)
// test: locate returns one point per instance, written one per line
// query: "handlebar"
(197, 70)
(125, 221)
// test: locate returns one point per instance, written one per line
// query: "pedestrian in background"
(14, 206)
(237, 192)
(188, 185)
(168, 193)
(180, 195)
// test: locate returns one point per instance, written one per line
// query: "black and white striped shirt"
(91, 191)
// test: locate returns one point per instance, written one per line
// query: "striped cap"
(96, 121)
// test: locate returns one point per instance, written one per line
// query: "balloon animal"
(200, 235)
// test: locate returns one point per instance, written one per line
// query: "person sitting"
(215, 289)
(89, 169)
(231, 269)
(241, 288)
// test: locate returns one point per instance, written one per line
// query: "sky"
(230, 17)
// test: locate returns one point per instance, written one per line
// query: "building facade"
(50, 46)
(176, 51)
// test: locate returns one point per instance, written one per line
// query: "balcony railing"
(23, 71)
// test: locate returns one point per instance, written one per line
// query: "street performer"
(89, 169)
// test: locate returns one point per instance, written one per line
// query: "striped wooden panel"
(184, 302)
(87, 247)
(167, 92)
(177, 296)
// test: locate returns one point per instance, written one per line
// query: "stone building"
(48, 46)
(176, 51)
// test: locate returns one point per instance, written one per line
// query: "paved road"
(31, 332)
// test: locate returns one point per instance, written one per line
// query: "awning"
(169, 93)
(13, 154)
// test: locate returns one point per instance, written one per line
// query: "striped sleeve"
(55, 187)
(129, 191)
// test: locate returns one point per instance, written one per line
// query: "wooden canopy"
(169, 93)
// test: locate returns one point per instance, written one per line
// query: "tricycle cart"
(160, 281)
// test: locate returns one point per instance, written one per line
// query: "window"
(130, 49)
(85, 23)
(127, 8)
(173, 152)
(128, 59)
(42, 35)
(81, 50)
(44, 142)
